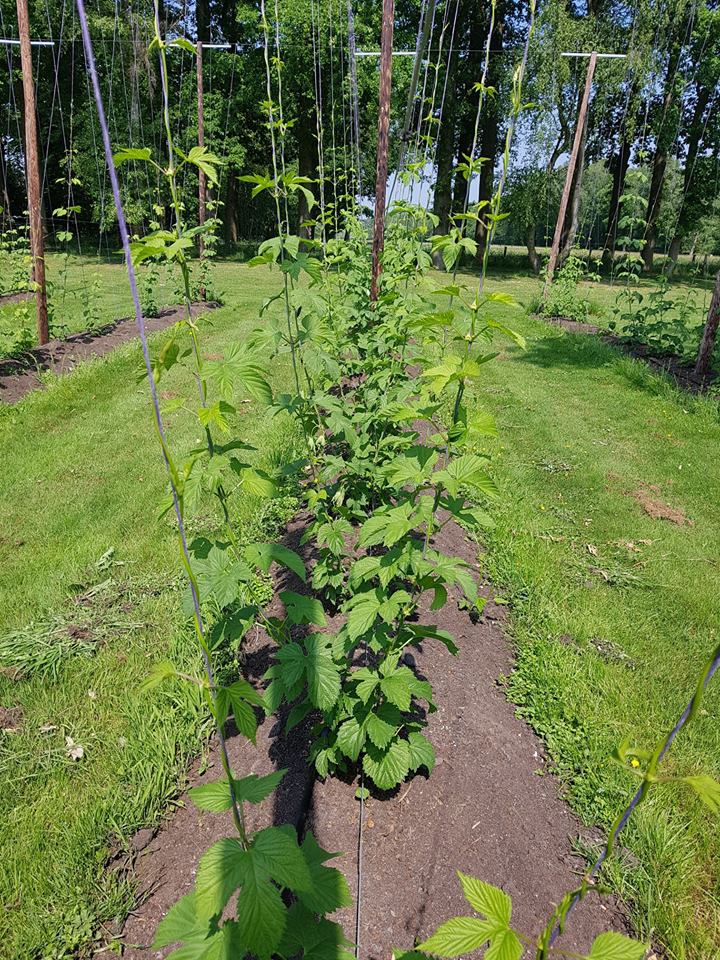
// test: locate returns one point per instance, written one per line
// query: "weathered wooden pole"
(572, 163)
(202, 184)
(32, 172)
(709, 337)
(386, 47)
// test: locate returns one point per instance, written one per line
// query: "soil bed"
(6, 299)
(679, 370)
(21, 376)
(491, 807)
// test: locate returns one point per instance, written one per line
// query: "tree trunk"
(230, 209)
(532, 252)
(707, 344)
(619, 168)
(673, 254)
(444, 156)
(697, 128)
(660, 157)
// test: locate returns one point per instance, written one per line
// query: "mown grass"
(81, 475)
(609, 639)
(614, 613)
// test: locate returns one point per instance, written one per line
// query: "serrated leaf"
(215, 797)
(457, 936)
(504, 946)
(263, 555)
(323, 678)
(362, 616)
(276, 850)
(397, 689)
(260, 915)
(707, 789)
(181, 923)
(351, 738)
(302, 609)
(126, 154)
(615, 946)
(387, 768)
(222, 869)
(422, 752)
(382, 725)
(329, 890)
(491, 901)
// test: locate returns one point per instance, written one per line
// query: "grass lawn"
(82, 475)
(612, 611)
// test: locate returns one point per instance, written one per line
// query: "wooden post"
(32, 169)
(579, 131)
(202, 185)
(707, 344)
(386, 47)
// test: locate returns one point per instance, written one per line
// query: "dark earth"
(21, 376)
(492, 807)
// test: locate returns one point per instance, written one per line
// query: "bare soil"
(21, 376)
(492, 807)
(6, 299)
(656, 508)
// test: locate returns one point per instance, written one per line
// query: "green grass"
(609, 639)
(614, 613)
(81, 475)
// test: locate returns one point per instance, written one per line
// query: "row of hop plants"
(392, 451)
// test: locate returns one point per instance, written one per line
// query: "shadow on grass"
(567, 350)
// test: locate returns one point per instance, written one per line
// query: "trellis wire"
(159, 425)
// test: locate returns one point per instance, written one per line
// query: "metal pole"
(32, 167)
(202, 186)
(382, 146)
(562, 212)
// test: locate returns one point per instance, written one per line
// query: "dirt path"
(490, 809)
(22, 376)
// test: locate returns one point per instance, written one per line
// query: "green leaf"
(351, 738)
(362, 615)
(222, 869)
(159, 672)
(215, 797)
(181, 923)
(387, 769)
(126, 154)
(707, 789)
(457, 936)
(615, 946)
(205, 161)
(382, 724)
(504, 946)
(328, 890)
(323, 677)
(262, 555)
(260, 915)
(218, 571)
(276, 850)
(422, 753)
(302, 609)
(466, 471)
(396, 688)
(483, 897)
